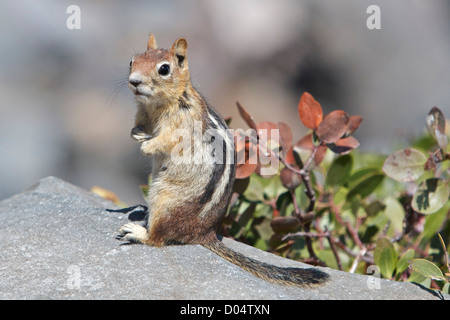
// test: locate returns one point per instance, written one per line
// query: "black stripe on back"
(219, 168)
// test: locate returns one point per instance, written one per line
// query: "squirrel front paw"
(147, 147)
(138, 134)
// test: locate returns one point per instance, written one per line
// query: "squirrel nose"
(134, 82)
(135, 79)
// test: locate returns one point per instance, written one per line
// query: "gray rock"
(58, 242)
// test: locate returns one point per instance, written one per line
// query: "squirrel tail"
(287, 276)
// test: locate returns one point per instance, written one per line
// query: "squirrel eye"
(164, 69)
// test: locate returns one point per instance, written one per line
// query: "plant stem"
(306, 234)
(308, 191)
(333, 248)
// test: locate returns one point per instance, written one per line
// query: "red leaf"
(320, 155)
(310, 111)
(266, 170)
(289, 179)
(285, 137)
(307, 143)
(246, 116)
(333, 126)
(267, 165)
(268, 141)
(290, 156)
(264, 129)
(245, 170)
(344, 145)
(246, 156)
(353, 124)
(239, 140)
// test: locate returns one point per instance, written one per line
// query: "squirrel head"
(160, 75)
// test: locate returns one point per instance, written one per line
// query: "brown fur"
(187, 201)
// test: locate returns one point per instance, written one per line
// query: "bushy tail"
(287, 276)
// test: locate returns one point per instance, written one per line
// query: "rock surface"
(58, 242)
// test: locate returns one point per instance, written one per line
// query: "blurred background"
(65, 109)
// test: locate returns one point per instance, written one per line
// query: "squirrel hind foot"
(133, 232)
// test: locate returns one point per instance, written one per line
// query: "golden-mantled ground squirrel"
(191, 186)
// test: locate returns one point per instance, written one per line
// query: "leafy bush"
(331, 205)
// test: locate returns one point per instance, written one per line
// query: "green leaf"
(395, 212)
(431, 195)
(385, 257)
(374, 207)
(340, 195)
(405, 165)
(240, 185)
(403, 262)
(361, 174)
(433, 222)
(420, 279)
(366, 185)
(245, 217)
(446, 288)
(339, 171)
(261, 244)
(255, 190)
(427, 269)
(274, 188)
(444, 249)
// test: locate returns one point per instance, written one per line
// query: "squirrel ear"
(152, 42)
(179, 50)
